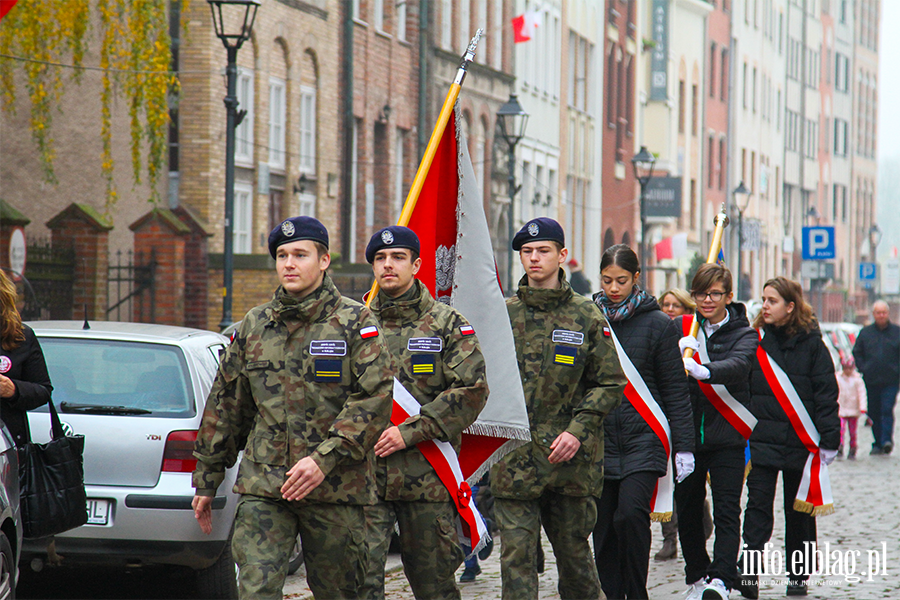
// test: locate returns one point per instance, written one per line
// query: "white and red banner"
(441, 455)
(525, 26)
(672, 247)
(814, 495)
(637, 392)
(737, 415)
(458, 268)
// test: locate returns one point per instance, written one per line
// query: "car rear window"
(132, 375)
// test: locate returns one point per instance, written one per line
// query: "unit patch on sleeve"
(422, 364)
(328, 370)
(328, 348)
(429, 344)
(368, 332)
(467, 330)
(565, 355)
(563, 336)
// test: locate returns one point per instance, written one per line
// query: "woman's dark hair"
(622, 256)
(801, 318)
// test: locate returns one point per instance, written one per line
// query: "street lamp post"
(741, 199)
(874, 240)
(642, 163)
(233, 20)
(512, 119)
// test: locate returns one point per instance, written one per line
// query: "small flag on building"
(525, 25)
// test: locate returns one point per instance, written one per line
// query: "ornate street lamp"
(512, 119)
(741, 200)
(233, 20)
(642, 163)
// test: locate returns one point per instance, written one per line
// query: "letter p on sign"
(818, 243)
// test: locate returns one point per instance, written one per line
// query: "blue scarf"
(625, 308)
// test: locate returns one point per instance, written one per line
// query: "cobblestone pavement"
(867, 519)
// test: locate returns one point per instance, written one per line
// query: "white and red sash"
(718, 395)
(814, 495)
(642, 400)
(442, 457)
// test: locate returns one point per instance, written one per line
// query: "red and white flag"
(672, 247)
(6, 6)
(525, 25)
(452, 228)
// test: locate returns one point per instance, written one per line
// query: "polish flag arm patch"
(467, 330)
(368, 332)
(606, 332)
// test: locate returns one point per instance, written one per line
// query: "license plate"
(97, 512)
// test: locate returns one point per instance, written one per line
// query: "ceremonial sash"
(718, 395)
(814, 495)
(642, 400)
(442, 457)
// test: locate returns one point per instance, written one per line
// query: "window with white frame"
(307, 160)
(307, 204)
(379, 15)
(447, 24)
(401, 19)
(243, 217)
(399, 198)
(355, 9)
(276, 123)
(465, 8)
(496, 35)
(243, 147)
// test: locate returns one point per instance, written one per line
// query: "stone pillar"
(159, 240)
(196, 267)
(86, 232)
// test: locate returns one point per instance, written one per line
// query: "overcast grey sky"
(889, 82)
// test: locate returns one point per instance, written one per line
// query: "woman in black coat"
(634, 456)
(792, 340)
(24, 381)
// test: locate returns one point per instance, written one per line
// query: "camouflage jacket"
(301, 378)
(572, 380)
(440, 363)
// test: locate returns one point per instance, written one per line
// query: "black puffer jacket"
(650, 339)
(28, 370)
(731, 350)
(807, 363)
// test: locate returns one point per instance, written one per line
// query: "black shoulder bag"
(51, 483)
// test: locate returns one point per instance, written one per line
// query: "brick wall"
(160, 234)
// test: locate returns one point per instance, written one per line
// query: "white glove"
(695, 369)
(688, 341)
(827, 456)
(684, 465)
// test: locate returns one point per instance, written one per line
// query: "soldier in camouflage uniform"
(572, 380)
(304, 389)
(437, 358)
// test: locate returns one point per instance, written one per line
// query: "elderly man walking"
(877, 355)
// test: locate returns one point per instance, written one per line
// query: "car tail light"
(178, 457)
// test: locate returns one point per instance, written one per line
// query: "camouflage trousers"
(429, 548)
(334, 546)
(568, 521)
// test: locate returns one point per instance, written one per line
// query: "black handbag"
(51, 483)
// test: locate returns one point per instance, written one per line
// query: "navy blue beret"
(541, 229)
(296, 229)
(395, 236)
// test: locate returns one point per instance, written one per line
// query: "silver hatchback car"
(136, 392)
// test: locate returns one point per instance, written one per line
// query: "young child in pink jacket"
(852, 401)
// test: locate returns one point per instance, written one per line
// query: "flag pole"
(721, 222)
(443, 118)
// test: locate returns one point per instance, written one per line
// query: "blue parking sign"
(868, 271)
(818, 243)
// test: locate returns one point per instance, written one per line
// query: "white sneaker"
(695, 591)
(715, 590)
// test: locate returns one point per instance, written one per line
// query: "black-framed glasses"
(701, 296)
